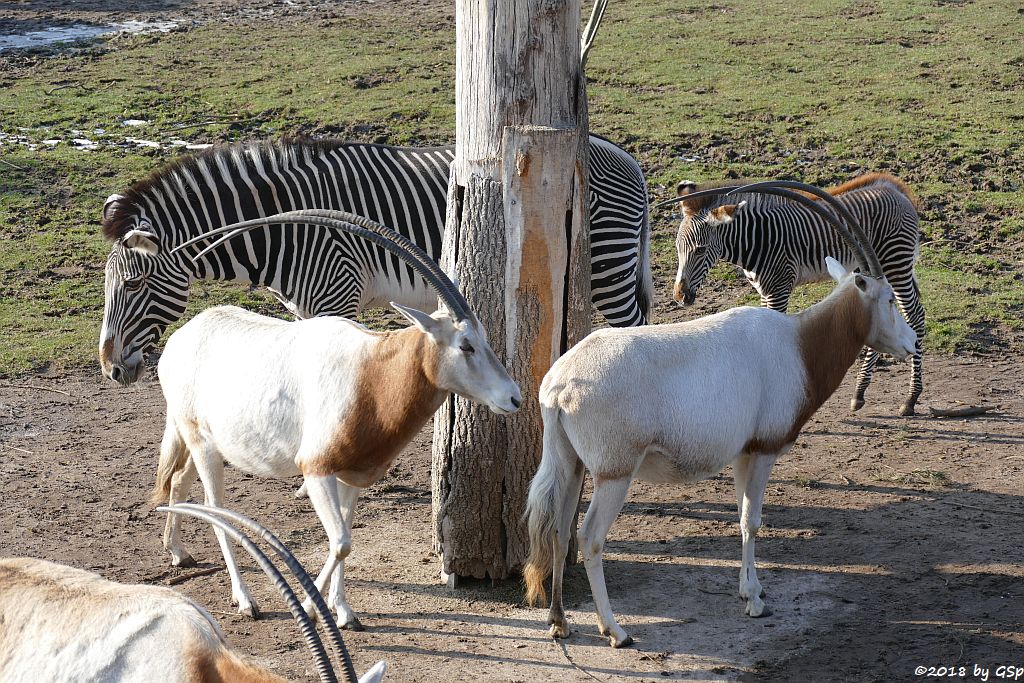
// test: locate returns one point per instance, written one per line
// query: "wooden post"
(517, 238)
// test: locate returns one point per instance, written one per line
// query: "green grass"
(931, 91)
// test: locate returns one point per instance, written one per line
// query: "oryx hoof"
(353, 624)
(184, 561)
(624, 641)
(559, 629)
(757, 609)
(250, 611)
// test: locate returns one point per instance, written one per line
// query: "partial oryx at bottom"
(61, 625)
(677, 403)
(781, 244)
(323, 397)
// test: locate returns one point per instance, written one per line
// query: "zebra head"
(145, 289)
(698, 243)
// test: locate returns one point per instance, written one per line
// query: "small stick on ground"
(33, 386)
(20, 450)
(975, 507)
(193, 575)
(14, 166)
(966, 411)
(565, 651)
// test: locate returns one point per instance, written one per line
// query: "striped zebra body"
(781, 244)
(317, 272)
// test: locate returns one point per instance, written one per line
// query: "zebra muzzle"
(683, 294)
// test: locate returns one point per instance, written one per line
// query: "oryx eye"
(133, 284)
(466, 348)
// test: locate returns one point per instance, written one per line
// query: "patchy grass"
(929, 91)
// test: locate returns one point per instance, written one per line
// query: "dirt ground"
(890, 543)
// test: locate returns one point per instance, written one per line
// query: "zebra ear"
(835, 269)
(723, 214)
(109, 205)
(685, 187)
(682, 189)
(141, 240)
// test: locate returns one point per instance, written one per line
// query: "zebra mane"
(873, 178)
(700, 204)
(120, 216)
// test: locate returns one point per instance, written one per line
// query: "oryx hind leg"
(181, 482)
(568, 506)
(605, 505)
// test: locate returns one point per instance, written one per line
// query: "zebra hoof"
(907, 409)
(856, 404)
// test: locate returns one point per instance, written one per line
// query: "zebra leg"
(909, 299)
(867, 369)
(776, 288)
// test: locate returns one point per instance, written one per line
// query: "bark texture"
(517, 231)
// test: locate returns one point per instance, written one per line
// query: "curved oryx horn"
(306, 625)
(374, 232)
(854, 236)
(873, 266)
(297, 570)
(828, 215)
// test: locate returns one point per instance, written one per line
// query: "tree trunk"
(517, 233)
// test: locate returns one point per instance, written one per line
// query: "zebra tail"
(644, 279)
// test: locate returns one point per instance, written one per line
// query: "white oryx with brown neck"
(677, 403)
(323, 397)
(65, 625)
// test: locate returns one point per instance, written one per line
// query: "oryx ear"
(141, 240)
(109, 205)
(724, 214)
(453, 276)
(418, 318)
(835, 269)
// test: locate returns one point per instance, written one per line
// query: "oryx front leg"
(753, 470)
(334, 503)
(210, 466)
(605, 506)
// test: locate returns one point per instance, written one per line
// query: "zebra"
(316, 273)
(781, 244)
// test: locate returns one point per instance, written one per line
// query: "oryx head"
(466, 364)
(145, 289)
(889, 333)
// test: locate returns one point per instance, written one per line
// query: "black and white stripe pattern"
(318, 272)
(781, 244)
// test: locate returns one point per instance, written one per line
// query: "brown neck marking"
(830, 334)
(221, 665)
(396, 393)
